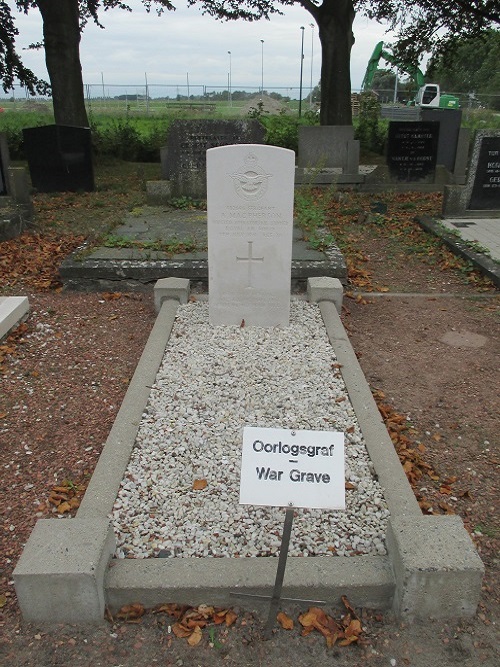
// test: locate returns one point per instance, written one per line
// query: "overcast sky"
(184, 46)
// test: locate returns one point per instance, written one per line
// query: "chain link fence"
(161, 98)
(157, 99)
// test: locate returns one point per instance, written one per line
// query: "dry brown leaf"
(349, 606)
(173, 609)
(195, 638)
(63, 508)
(200, 484)
(231, 617)
(205, 611)
(348, 640)
(220, 616)
(131, 612)
(307, 620)
(354, 628)
(181, 631)
(285, 621)
(445, 507)
(195, 623)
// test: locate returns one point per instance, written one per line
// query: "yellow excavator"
(429, 95)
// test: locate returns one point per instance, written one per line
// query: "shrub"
(371, 129)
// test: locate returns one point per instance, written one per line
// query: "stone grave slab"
(412, 150)
(328, 147)
(250, 192)
(183, 159)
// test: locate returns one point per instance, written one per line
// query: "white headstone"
(250, 227)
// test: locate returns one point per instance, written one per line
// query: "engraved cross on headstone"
(250, 258)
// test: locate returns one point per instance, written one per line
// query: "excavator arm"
(380, 53)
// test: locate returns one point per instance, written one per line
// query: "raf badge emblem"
(250, 182)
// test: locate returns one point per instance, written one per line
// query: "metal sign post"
(288, 468)
(280, 573)
(278, 584)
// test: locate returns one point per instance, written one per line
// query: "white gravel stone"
(214, 381)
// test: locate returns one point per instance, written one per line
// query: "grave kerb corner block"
(437, 569)
(60, 575)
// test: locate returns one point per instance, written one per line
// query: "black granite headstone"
(412, 150)
(486, 188)
(3, 181)
(188, 141)
(4, 164)
(59, 158)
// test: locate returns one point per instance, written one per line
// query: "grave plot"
(179, 495)
(170, 470)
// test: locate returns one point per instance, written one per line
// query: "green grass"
(174, 245)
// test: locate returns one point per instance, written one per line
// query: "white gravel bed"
(214, 381)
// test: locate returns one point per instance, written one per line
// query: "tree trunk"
(335, 19)
(61, 33)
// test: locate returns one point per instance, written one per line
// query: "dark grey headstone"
(449, 128)
(59, 158)
(188, 141)
(328, 147)
(486, 186)
(412, 150)
(4, 164)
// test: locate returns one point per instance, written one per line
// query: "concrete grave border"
(432, 567)
(13, 310)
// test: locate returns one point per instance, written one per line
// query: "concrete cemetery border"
(432, 568)
(484, 264)
(13, 310)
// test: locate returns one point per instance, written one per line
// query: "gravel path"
(212, 382)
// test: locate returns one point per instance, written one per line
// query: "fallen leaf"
(354, 628)
(131, 612)
(220, 616)
(195, 638)
(348, 640)
(181, 631)
(231, 617)
(63, 508)
(285, 621)
(349, 606)
(205, 611)
(331, 640)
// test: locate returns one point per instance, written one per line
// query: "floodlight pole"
(301, 70)
(262, 70)
(312, 60)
